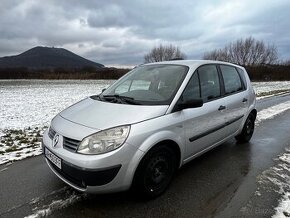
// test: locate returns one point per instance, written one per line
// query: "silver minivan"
(149, 123)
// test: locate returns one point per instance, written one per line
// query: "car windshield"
(147, 85)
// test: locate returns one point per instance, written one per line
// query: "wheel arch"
(167, 143)
(172, 145)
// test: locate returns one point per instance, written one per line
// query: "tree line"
(62, 73)
(260, 59)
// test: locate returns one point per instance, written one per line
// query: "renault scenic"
(149, 123)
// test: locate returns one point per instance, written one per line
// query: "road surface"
(220, 183)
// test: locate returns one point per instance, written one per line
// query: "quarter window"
(242, 75)
(209, 82)
(192, 89)
(231, 78)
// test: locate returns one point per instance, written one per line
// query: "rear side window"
(209, 82)
(232, 80)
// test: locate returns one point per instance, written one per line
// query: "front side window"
(231, 78)
(148, 84)
(209, 82)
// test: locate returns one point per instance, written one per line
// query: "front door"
(203, 126)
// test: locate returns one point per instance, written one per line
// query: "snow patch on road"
(67, 195)
(55, 205)
(283, 182)
(278, 179)
(271, 112)
(283, 209)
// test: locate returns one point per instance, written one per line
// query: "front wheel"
(155, 172)
(248, 130)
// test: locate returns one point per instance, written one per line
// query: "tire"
(248, 130)
(155, 172)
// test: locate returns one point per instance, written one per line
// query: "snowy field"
(33, 103)
(267, 89)
(27, 106)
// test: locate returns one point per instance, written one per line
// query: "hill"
(47, 58)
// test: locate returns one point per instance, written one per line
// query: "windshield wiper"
(96, 97)
(122, 98)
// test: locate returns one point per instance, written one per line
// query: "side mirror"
(194, 103)
(103, 90)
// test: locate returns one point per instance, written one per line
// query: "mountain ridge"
(40, 57)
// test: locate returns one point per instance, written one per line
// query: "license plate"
(53, 158)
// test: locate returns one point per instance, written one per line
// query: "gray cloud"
(116, 32)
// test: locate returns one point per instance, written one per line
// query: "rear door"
(203, 125)
(236, 97)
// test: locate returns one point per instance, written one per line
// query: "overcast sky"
(121, 32)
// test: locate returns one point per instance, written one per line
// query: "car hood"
(103, 115)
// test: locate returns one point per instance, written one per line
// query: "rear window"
(232, 80)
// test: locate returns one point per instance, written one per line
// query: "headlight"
(104, 141)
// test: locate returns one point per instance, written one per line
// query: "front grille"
(51, 133)
(70, 144)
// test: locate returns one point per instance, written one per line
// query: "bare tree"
(246, 52)
(285, 63)
(163, 53)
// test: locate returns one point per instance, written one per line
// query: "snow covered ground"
(27, 106)
(279, 175)
(277, 179)
(267, 89)
(33, 103)
(263, 87)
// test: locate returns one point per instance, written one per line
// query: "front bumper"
(82, 177)
(104, 173)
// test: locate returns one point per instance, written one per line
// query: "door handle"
(245, 100)
(222, 107)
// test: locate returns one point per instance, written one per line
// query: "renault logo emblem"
(55, 140)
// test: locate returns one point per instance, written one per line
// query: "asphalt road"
(217, 184)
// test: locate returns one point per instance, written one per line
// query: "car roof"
(193, 63)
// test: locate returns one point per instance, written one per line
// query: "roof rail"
(176, 59)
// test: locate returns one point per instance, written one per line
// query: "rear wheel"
(248, 130)
(155, 172)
